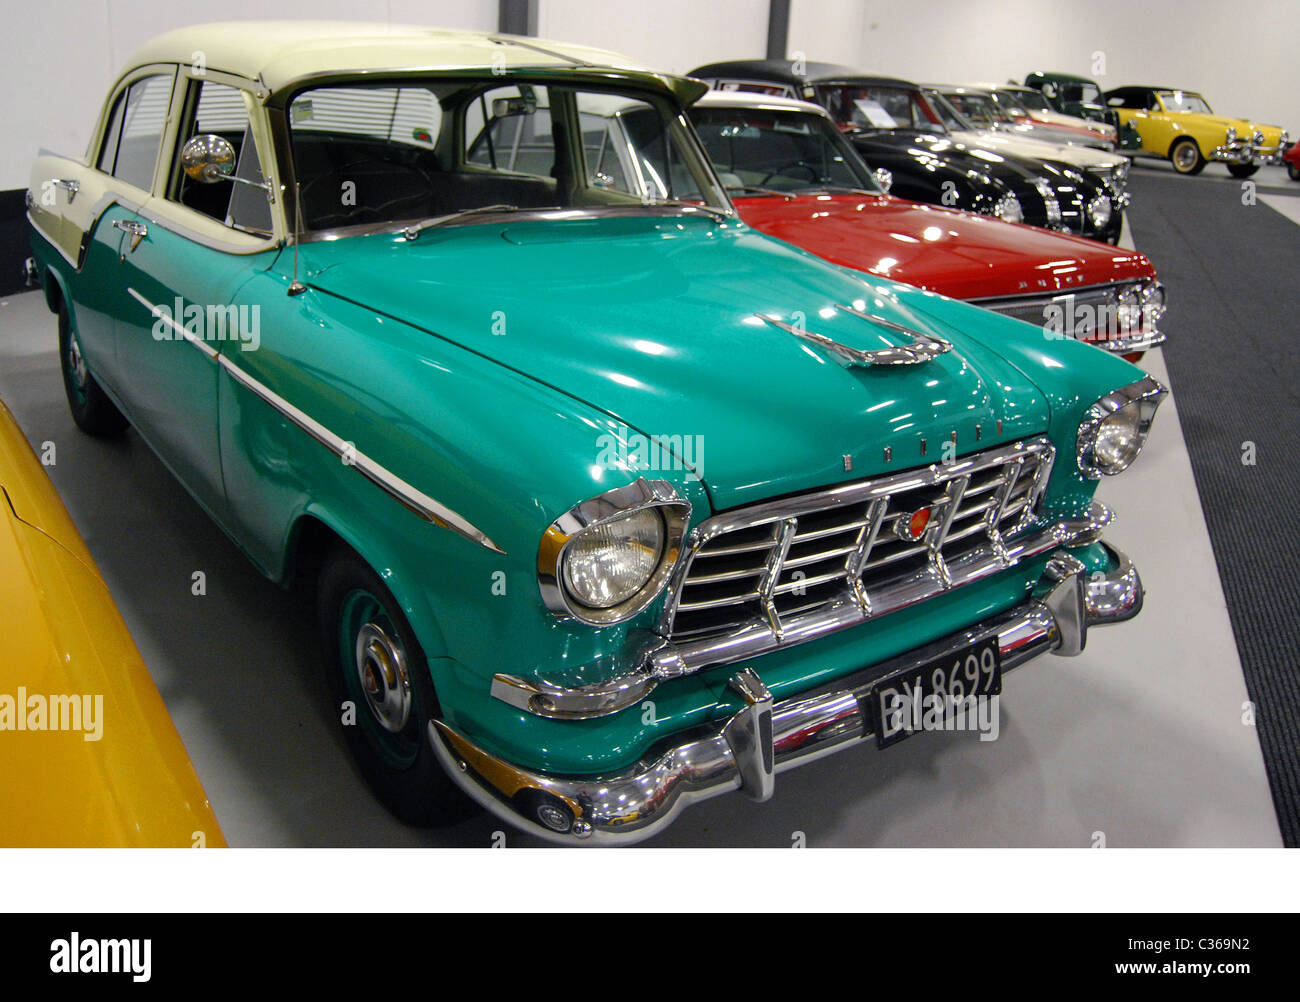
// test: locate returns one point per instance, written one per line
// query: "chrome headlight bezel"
(1231, 136)
(1100, 210)
(1136, 403)
(1152, 298)
(1009, 206)
(604, 511)
(1050, 203)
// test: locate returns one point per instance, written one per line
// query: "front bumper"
(765, 737)
(1248, 153)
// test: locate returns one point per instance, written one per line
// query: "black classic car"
(897, 129)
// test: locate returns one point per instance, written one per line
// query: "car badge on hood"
(922, 347)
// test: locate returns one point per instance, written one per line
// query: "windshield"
(1030, 99)
(1181, 100)
(872, 108)
(1080, 93)
(778, 151)
(949, 115)
(978, 108)
(385, 154)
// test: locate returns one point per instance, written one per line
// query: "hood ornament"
(921, 348)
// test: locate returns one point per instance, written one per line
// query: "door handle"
(68, 185)
(135, 228)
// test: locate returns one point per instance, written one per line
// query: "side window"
(509, 129)
(108, 152)
(130, 150)
(220, 111)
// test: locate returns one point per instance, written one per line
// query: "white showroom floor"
(1140, 741)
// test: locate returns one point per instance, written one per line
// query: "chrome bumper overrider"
(765, 737)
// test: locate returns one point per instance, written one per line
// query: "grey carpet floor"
(1232, 271)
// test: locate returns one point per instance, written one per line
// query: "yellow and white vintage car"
(1179, 126)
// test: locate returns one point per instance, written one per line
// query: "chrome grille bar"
(814, 553)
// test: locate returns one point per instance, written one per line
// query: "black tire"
(1186, 157)
(1293, 172)
(398, 765)
(1242, 171)
(91, 409)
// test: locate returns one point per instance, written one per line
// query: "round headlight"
(1258, 138)
(607, 564)
(1008, 209)
(606, 560)
(1099, 212)
(1129, 312)
(1115, 428)
(1232, 136)
(1119, 440)
(1153, 304)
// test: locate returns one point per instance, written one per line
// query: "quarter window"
(130, 150)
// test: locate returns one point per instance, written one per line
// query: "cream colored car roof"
(280, 52)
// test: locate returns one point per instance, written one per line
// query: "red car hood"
(954, 253)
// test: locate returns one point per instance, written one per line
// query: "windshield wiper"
(414, 230)
(755, 190)
(722, 215)
(831, 189)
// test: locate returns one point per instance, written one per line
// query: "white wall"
(1240, 55)
(60, 55)
(670, 35)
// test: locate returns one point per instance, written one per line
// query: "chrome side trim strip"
(408, 496)
(159, 314)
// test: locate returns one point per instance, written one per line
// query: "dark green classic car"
(613, 503)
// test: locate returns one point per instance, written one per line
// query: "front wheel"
(383, 696)
(1293, 172)
(91, 409)
(1186, 157)
(1242, 170)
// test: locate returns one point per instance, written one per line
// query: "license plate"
(914, 698)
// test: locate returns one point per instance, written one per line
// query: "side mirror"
(884, 178)
(208, 158)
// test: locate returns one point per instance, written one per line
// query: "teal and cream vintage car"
(611, 502)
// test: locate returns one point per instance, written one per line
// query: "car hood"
(964, 156)
(1082, 157)
(655, 321)
(1071, 122)
(954, 253)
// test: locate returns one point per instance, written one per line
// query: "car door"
(81, 206)
(183, 260)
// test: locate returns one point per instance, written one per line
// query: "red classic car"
(1292, 159)
(793, 176)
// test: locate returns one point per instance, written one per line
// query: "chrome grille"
(1100, 301)
(776, 563)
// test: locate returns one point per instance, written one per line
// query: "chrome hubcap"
(1186, 156)
(381, 667)
(76, 364)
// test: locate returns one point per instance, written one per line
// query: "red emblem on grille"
(914, 527)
